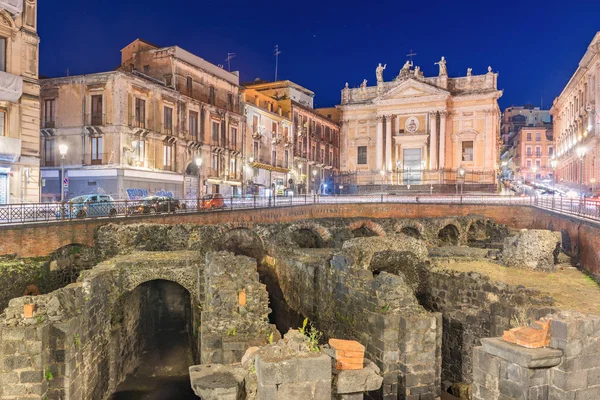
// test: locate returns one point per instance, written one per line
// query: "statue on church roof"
(469, 71)
(363, 85)
(442, 64)
(489, 70)
(406, 66)
(379, 72)
(417, 71)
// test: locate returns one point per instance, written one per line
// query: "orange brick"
(346, 345)
(530, 337)
(345, 365)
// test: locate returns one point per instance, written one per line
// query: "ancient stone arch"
(185, 277)
(319, 229)
(242, 241)
(411, 228)
(370, 225)
(450, 234)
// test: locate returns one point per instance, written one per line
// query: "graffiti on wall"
(136, 194)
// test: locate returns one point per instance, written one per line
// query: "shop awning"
(269, 167)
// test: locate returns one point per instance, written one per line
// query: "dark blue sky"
(535, 45)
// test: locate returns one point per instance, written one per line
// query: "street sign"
(66, 182)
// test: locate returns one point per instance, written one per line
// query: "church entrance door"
(412, 166)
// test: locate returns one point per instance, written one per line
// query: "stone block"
(276, 372)
(31, 377)
(296, 391)
(217, 382)
(266, 392)
(569, 381)
(529, 358)
(364, 380)
(314, 368)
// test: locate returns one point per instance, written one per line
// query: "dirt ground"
(570, 288)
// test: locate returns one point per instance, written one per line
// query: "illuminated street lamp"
(580, 153)
(314, 174)
(461, 173)
(62, 149)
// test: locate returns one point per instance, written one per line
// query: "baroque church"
(421, 130)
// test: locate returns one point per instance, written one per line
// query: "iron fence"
(56, 212)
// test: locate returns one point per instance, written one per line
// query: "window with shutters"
(274, 157)
(233, 138)
(189, 85)
(168, 121)
(168, 156)
(96, 150)
(286, 159)
(140, 152)
(49, 152)
(215, 132)
(140, 113)
(97, 115)
(194, 125)
(49, 112)
(230, 101)
(362, 155)
(212, 96)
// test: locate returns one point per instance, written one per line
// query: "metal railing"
(56, 212)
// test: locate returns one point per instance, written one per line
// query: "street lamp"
(199, 165)
(382, 172)
(314, 174)
(461, 173)
(62, 149)
(580, 153)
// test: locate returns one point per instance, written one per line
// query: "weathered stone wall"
(45, 273)
(235, 314)
(568, 369)
(473, 307)
(80, 332)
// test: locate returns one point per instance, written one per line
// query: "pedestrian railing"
(67, 211)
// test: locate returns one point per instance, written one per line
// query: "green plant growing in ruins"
(232, 331)
(77, 340)
(39, 319)
(271, 338)
(48, 375)
(385, 308)
(312, 333)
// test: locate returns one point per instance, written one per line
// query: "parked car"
(91, 205)
(155, 204)
(214, 200)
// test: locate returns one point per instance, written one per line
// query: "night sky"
(534, 45)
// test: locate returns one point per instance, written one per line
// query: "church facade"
(421, 130)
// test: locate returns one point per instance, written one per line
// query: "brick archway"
(370, 225)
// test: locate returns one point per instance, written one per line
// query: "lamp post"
(593, 182)
(461, 173)
(534, 170)
(314, 174)
(300, 177)
(382, 172)
(580, 154)
(63, 148)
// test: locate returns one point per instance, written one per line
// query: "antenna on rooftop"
(228, 59)
(277, 53)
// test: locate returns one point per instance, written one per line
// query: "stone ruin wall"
(342, 299)
(76, 345)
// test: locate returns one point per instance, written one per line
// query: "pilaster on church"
(418, 123)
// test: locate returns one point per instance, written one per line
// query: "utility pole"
(228, 59)
(277, 53)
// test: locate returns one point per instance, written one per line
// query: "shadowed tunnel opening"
(448, 236)
(308, 239)
(412, 232)
(154, 324)
(245, 242)
(363, 231)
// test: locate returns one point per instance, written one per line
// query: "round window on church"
(412, 124)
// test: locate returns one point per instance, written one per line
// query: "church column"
(379, 144)
(432, 140)
(443, 115)
(388, 141)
